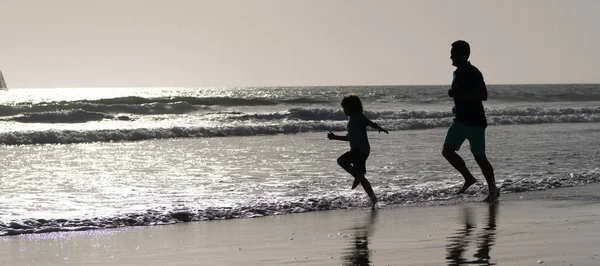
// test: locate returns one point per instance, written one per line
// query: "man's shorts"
(358, 160)
(457, 133)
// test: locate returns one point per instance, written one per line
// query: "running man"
(469, 91)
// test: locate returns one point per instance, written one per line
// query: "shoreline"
(550, 227)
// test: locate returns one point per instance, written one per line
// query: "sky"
(195, 43)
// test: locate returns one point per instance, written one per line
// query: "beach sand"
(551, 227)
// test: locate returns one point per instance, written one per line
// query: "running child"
(354, 161)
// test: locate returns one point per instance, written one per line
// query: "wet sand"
(552, 227)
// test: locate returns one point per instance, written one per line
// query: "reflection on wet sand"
(358, 253)
(458, 243)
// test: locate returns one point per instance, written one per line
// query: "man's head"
(460, 53)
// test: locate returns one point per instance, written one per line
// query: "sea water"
(87, 158)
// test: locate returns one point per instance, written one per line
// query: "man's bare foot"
(493, 196)
(466, 186)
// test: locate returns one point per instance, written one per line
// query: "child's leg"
(345, 161)
(367, 186)
(359, 169)
(360, 166)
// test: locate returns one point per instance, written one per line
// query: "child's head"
(352, 105)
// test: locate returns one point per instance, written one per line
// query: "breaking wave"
(295, 120)
(69, 116)
(408, 195)
(324, 114)
(144, 106)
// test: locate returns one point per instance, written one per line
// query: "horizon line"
(290, 86)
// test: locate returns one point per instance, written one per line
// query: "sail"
(2, 82)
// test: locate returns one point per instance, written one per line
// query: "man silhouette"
(469, 91)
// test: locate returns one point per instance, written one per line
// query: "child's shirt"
(357, 133)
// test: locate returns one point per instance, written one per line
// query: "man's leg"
(454, 138)
(459, 164)
(477, 140)
(487, 170)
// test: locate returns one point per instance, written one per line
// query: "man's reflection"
(459, 242)
(358, 252)
(487, 236)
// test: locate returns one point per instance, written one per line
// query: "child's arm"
(330, 135)
(376, 126)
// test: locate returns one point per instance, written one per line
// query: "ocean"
(92, 158)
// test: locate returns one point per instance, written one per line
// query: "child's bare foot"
(466, 186)
(355, 184)
(374, 203)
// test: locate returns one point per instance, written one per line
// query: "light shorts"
(457, 133)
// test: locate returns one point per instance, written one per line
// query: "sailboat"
(2, 82)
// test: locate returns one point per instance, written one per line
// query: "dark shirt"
(357, 133)
(467, 80)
